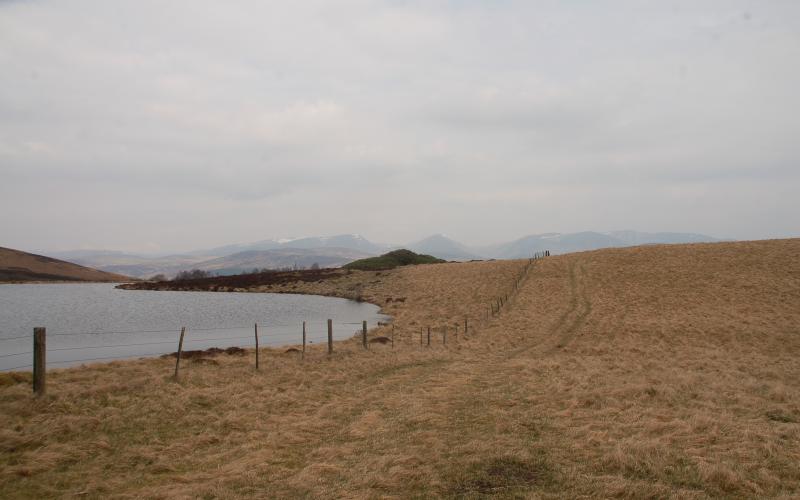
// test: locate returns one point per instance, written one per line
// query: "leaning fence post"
(255, 331)
(180, 348)
(330, 336)
(303, 353)
(39, 361)
(364, 334)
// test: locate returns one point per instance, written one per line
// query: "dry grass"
(667, 371)
(18, 266)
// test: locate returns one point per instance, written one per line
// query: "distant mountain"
(351, 241)
(16, 265)
(131, 265)
(236, 248)
(559, 243)
(443, 247)
(280, 258)
(437, 245)
(72, 255)
(639, 238)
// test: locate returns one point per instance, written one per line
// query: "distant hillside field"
(16, 265)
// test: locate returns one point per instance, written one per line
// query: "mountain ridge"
(437, 245)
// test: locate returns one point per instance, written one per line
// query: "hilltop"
(665, 371)
(391, 260)
(16, 265)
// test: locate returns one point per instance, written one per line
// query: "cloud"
(394, 119)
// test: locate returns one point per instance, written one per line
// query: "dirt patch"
(499, 476)
(207, 353)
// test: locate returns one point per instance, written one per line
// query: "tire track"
(580, 310)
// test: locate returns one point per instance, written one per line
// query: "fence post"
(444, 335)
(429, 336)
(421, 335)
(180, 348)
(465, 327)
(392, 335)
(364, 334)
(303, 353)
(39, 361)
(330, 337)
(255, 331)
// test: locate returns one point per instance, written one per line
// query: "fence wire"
(267, 337)
(15, 338)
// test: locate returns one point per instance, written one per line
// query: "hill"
(443, 247)
(349, 241)
(16, 265)
(665, 371)
(561, 243)
(280, 258)
(391, 260)
(138, 266)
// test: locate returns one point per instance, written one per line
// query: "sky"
(151, 126)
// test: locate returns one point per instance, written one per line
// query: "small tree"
(315, 266)
(158, 277)
(194, 274)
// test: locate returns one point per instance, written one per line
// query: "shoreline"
(59, 282)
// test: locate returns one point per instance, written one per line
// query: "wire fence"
(271, 335)
(264, 334)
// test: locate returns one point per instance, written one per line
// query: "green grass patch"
(391, 260)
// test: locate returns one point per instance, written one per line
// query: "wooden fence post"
(180, 348)
(39, 361)
(444, 335)
(392, 335)
(255, 331)
(303, 353)
(364, 334)
(465, 326)
(330, 337)
(429, 336)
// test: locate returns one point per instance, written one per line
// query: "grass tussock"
(659, 372)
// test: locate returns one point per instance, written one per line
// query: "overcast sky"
(160, 126)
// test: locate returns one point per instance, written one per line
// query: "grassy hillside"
(649, 372)
(392, 260)
(16, 266)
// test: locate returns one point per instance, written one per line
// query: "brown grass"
(668, 371)
(18, 266)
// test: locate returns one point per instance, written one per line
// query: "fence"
(259, 335)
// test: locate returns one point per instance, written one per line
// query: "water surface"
(95, 322)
